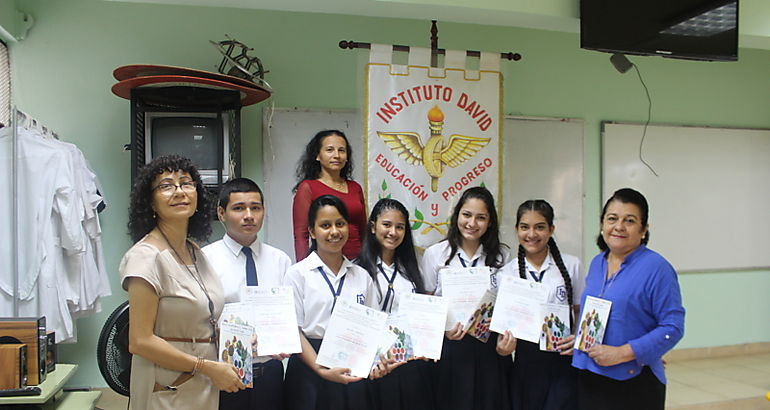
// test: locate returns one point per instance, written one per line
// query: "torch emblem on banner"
(435, 153)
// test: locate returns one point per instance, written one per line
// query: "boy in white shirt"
(241, 260)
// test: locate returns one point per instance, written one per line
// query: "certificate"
(425, 319)
(519, 307)
(463, 288)
(593, 322)
(352, 338)
(274, 319)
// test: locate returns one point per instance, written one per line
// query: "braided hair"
(544, 208)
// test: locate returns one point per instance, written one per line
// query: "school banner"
(431, 133)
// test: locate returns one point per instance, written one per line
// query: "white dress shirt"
(228, 260)
(314, 299)
(227, 257)
(551, 277)
(434, 260)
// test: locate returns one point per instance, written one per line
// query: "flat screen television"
(202, 137)
(686, 29)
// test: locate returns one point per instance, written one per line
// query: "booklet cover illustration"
(478, 324)
(235, 342)
(593, 323)
(555, 327)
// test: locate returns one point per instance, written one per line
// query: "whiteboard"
(543, 158)
(285, 134)
(710, 205)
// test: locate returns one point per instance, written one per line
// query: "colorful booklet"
(402, 348)
(238, 313)
(235, 342)
(386, 345)
(593, 322)
(555, 326)
(478, 324)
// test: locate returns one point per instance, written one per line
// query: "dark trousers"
(643, 392)
(267, 393)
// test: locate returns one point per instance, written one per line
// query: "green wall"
(62, 76)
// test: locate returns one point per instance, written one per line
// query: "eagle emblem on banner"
(435, 153)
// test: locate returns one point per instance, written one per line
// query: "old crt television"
(202, 137)
(686, 29)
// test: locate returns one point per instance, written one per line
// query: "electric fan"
(112, 353)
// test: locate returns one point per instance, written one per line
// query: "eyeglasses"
(168, 188)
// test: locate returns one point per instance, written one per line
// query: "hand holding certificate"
(274, 319)
(352, 338)
(425, 318)
(463, 288)
(518, 308)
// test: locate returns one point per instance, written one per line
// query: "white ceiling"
(556, 15)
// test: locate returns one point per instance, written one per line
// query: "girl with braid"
(543, 380)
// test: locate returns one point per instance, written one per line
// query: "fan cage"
(112, 353)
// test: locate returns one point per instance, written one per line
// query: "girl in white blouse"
(543, 380)
(470, 374)
(388, 255)
(318, 281)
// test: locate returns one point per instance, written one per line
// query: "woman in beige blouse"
(175, 297)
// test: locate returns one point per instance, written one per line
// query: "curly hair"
(309, 168)
(141, 216)
(491, 238)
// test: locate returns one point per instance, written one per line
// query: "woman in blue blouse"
(646, 317)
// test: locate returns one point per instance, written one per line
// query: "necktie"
(251, 268)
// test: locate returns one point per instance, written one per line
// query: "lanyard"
(336, 293)
(473, 264)
(390, 291)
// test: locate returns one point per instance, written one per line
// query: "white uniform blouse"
(313, 297)
(549, 275)
(434, 258)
